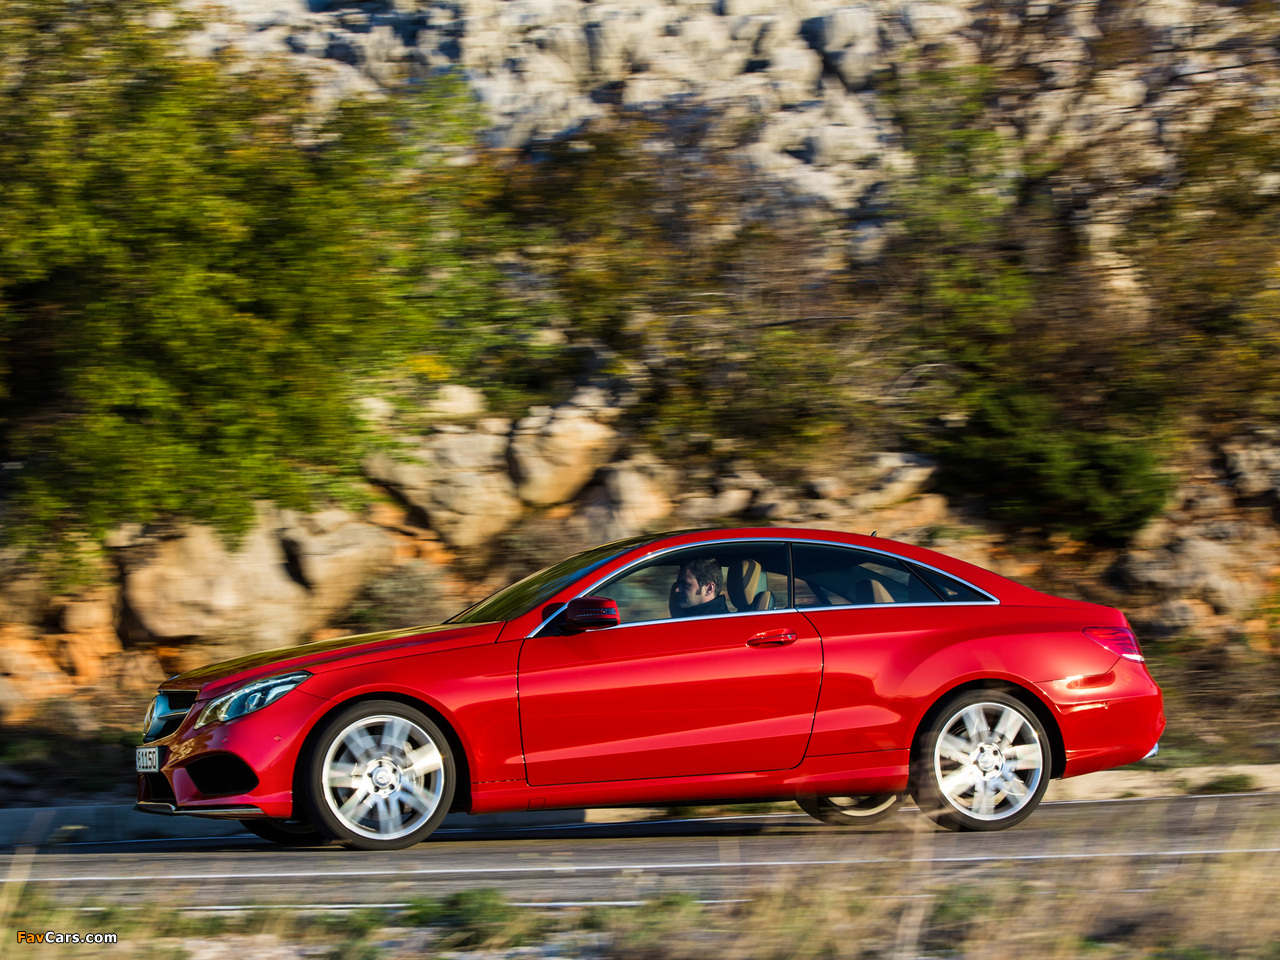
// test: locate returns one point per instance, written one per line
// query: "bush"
(1036, 468)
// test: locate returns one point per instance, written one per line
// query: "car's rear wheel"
(983, 764)
(287, 833)
(850, 811)
(380, 776)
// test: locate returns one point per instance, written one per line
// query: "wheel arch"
(462, 789)
(1057, 746)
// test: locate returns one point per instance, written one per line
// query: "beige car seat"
(871, 591)
(748, 586)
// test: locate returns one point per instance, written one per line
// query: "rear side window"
(839, 576)
(950, 588)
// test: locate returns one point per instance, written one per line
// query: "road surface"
(715, 859)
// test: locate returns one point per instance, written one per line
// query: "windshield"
(537, 588)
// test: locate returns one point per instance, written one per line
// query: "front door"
(664, 695)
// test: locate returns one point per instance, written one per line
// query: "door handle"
(772, 638)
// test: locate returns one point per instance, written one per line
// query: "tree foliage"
(194, 267)
(1209, 250)
(966, 285)
(1041, 415)
(1037, 470)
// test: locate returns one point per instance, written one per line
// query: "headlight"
(251, 697)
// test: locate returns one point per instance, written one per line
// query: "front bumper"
(214, 813)
(241, 769)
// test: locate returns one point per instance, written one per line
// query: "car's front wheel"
(983, 764)
(380, 776)
(850, 811)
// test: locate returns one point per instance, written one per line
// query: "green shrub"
(1035, 468)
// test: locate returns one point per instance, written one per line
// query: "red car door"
(673, 698)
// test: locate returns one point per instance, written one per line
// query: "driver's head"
(698, 582)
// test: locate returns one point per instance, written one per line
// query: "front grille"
(166, 713)
(221, 775)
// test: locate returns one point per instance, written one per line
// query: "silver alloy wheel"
(384, 777)
(988, 761)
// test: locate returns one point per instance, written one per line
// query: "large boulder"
(1229, 566)
(901, 476)
(628, 498)
(29, 673)
(458, 481)
(285, 578)
(1254, 467)
(456, 400)
(554, 453)
(848, 39)
(86, 656)
(24, 594)
(931, 22)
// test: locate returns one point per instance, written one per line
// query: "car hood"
(217, 678)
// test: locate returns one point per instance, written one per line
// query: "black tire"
(850, 811)
(983, 763)
(287, 833)
(379, 776)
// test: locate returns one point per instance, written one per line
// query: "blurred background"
(323, 317)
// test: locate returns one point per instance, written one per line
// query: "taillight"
(1119, 640)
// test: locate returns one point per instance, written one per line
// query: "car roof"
(1009, 591)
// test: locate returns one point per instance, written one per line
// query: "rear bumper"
(1107, 720)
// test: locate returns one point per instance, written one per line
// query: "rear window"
(950, 588)
(838, 576)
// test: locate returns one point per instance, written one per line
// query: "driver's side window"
(702, 581)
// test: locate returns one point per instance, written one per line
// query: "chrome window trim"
(784, 540)
(895, 605)
(710, 616)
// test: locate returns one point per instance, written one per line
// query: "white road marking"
(657, 867)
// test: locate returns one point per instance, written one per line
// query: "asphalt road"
(715, 859)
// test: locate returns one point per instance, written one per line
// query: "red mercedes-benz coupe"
(725, 665)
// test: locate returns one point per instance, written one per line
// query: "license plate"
(147, 759)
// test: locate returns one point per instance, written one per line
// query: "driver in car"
(698, 590)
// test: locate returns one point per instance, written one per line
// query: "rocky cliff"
(1118, 84)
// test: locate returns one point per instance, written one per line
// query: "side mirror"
(591, 613)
